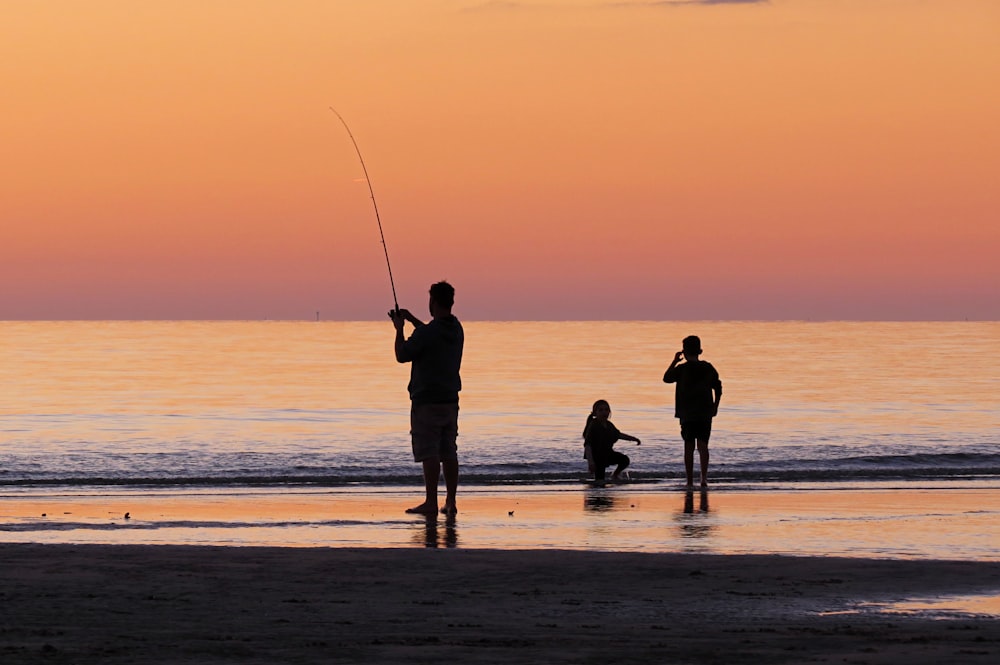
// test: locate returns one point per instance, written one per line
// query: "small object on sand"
(45, 515)
(510, 513)
(128, 516)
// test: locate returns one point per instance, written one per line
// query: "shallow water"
(265, 403)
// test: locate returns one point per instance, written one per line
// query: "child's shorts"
(696, 429)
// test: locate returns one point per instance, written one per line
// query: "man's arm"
(412, 319)
(400, 344)
(400, 317)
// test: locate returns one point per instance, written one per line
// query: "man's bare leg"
(432, 474)
(451, 486)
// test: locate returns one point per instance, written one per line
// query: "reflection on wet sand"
(947, 606)
(693, 523)
(854, 522)
(437, 532)
(689, 501)
(599, 502)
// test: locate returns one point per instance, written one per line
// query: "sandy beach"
(637, 573)
(185, 604)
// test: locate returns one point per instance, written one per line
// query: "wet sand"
(73, 603)
(865, 522)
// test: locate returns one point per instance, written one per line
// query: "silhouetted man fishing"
(434, 351)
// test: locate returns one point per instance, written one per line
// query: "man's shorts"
(696, 429)
(433, 430)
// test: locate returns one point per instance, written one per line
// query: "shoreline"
(190, 604)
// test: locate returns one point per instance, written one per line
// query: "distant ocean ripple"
(254, 404)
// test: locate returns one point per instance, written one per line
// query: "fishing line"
(374, 205)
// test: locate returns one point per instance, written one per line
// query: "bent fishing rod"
(371, 191)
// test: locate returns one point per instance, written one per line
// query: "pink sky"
(554, 160)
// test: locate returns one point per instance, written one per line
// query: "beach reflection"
(689, 501)
(985, 605)
(437, 532)
(886, 523)
(946, 607)
(599, 502)
(694, 523)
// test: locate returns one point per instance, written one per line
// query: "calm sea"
(324, 404)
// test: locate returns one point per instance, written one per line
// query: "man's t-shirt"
(434, 351)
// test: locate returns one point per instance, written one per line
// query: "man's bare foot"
(449, 509)
(423, 509)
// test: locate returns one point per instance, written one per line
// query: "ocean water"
(324, 404)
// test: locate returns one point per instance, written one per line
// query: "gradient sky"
(788, 159)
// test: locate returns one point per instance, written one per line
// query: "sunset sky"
(554, 159)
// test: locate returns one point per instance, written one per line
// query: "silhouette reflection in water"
(599, 502)
(689, 502)
(692, 522)
(437, 532)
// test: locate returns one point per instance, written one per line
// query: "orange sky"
(553, 159)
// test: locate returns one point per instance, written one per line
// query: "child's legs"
(621, 460)
(703, 457)
(696, 434)
(689, 445)
(702, 436)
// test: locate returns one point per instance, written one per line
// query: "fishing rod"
(385, 249)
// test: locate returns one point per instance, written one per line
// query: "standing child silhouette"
(696, 402)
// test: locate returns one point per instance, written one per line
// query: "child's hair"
(692, 344)
(591, 417)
